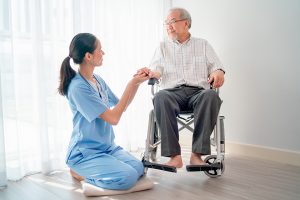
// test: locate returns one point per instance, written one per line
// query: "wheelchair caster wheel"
(213, 173)
(145, 170)
(153, 155)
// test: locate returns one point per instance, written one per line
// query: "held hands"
(216, 78)
(141, 75)
(151, 74)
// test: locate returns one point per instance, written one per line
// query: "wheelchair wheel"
(152, 138)
(213, 173)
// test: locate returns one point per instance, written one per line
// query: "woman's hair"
(80, 45)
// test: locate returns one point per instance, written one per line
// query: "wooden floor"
(244, 178)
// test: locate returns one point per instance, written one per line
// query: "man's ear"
(187, 24)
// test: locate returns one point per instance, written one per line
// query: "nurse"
(92, 154)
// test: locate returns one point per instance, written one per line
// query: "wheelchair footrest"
(159, 166)
(194, 168)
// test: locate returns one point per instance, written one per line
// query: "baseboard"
(273, 154)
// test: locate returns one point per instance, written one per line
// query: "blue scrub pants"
(115, 170)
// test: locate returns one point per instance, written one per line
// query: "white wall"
(258, 41)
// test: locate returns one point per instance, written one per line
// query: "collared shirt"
(187, 63)
(90, 134)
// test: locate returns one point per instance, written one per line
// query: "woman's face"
(98, 54)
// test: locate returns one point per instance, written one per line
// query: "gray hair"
(184, 14)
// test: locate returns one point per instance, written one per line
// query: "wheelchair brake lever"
(152, 81)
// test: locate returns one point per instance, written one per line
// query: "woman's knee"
(139, 168)
(124, 179)
(133, 174)
(132, 178)
(76, 176)
(128, 180)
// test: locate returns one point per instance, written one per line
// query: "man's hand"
(141, 75)
(216, 78)
(154, 74)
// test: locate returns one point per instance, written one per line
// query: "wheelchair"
(215, 164)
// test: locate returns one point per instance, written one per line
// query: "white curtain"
(2, 149)
(36, 122)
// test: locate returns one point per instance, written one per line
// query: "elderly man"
(187, 67)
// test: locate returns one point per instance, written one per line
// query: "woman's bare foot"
(76, 176)
(196, 159)
(175, 161)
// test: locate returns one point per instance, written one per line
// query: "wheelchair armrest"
(152, 81)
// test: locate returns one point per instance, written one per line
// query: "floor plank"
(244, 178)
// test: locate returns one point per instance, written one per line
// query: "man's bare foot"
(196, 159)
(175, 161)
(76, 176)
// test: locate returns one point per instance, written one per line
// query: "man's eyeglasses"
(173, 21)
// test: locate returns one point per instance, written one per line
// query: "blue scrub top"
(91, 135)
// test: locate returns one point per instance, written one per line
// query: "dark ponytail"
(66, 75)
(80, 45)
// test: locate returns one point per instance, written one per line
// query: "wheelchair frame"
(215, 163)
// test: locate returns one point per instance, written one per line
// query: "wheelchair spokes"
(153, 139)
